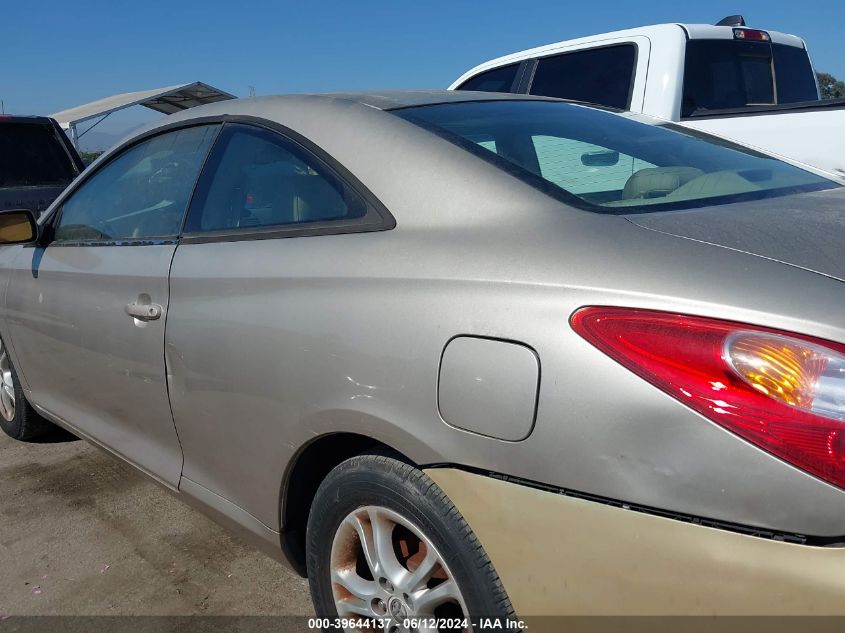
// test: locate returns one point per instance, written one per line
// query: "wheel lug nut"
(386, 585)
(379, 606)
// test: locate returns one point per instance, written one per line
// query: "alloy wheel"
(385, 569)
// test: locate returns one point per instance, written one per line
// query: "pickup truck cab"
(752, 86)
(37, 162)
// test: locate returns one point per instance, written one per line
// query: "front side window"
(140, 194)
(603, 76)
(256, 178)
(609, 162)
(496, 80)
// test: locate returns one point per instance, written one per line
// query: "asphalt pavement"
(82, 533)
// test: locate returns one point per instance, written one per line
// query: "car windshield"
(31, 154)
(611, 162)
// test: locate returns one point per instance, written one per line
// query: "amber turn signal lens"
(778, 367)
(793, 371)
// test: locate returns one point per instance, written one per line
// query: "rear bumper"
(559, 555)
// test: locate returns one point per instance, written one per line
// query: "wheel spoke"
(423, 572)
(353, 606)
(388, 564)
(365, 537)
(426, 601)
(7, 387)
(7, 403)
(354, 584)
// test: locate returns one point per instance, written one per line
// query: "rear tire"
(18, 419)
(430, 563)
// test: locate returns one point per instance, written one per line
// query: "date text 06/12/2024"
(479, 624)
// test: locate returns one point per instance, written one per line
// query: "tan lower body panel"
(560, 555)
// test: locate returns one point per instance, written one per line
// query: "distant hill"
(100, 140)
(97, 141)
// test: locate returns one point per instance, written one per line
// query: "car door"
(87, 310)
(266, 213)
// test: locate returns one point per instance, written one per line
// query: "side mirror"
(607, 158)
(17, 227)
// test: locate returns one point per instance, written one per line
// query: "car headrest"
(656, 182)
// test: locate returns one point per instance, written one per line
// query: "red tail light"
(783, 392)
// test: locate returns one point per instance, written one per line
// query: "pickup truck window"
(724, 74)
(608, 162)
(496, 80)
(603, 76)
(796, 80)
(31, 155)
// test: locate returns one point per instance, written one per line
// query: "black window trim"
(377, 217)
(529, 67)
(529, 84)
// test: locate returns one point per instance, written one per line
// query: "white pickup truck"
(752, 86)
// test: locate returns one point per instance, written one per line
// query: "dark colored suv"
(37, 162)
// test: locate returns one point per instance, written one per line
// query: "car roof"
(396, 99)
(321, 118)
(337, 106)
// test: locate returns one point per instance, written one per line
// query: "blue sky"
(57, 54)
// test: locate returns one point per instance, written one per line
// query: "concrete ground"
(82, 533)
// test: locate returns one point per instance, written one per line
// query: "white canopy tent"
(167, 100)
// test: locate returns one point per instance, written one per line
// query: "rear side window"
(142, 193)
(725, 74)
(256, 178)
(31, 154)
(497, 80)
(603, 76)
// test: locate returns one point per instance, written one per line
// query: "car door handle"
(143, 311)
